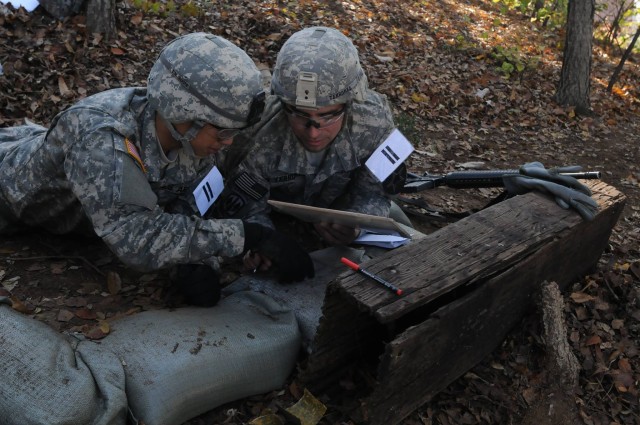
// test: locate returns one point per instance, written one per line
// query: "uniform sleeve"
(247, 190)
(366, 195)
(123, 210)
(371, 128)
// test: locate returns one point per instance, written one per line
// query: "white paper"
(381, 240)
(208, 190)
(389, 155)
(29, 5)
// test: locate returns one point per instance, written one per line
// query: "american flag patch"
(133, 151)
(247, 184)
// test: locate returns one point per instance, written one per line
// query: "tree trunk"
(61, 9)
(553, 9)
(574, 85)
(627, 53)
(560, 378)
(101, 17)
(615, 23)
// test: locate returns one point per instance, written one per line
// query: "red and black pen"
(378, 279)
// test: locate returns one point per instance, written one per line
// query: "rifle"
(471, 179)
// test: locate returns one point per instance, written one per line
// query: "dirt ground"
(75, 284)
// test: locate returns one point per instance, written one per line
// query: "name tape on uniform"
(208, 190)
(389, 155)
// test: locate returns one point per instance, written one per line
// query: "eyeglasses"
(222, 133)
(227, 133)
(300, 119)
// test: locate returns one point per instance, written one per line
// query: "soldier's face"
(208, 142)
(315, 128)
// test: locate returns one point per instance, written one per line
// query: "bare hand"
(336, 234)
(254, 261)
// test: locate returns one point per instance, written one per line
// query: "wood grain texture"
(467, 285)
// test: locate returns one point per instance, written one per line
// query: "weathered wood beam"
(467, 285)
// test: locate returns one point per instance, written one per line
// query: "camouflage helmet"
(317, 67)
(204, 78)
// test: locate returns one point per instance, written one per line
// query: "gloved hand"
(565, 196)
(537, 171)
(293, 262)
(198, 283)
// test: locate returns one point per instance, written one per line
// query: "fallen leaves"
(307, 411)
(581, 297)
(463, 111)
(97, 332)
(114, 283)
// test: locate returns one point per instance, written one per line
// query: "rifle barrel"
(588, 175)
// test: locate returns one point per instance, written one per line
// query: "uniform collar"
(154, 158)
(340, 156)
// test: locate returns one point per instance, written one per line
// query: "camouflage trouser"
(398, 215)
(7, 226)
(10, 138)
(5, 222)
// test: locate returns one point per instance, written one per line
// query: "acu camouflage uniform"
(84, 173)
(100, 165)
(316, 67)
(275, 164)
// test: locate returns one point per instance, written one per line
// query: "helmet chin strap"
(186, 138)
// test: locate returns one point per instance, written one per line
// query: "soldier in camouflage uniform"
(124, 163)
(320, 125)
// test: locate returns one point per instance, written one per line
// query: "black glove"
(293, 262)
(199, 284)
(565, 196)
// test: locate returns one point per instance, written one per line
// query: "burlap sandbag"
(47, 378)
(182, 363)
(304, 298)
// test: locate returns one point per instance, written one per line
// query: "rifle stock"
(472, 179)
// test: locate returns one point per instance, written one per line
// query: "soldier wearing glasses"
(124, 163)
(320, 125)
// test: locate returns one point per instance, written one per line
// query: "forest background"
(472, 85)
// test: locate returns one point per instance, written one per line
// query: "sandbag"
(184, 362)
(47, 378)
(304, 298)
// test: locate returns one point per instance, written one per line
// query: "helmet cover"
(203, 77)
(317, 67)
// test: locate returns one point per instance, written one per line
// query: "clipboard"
(383, 225)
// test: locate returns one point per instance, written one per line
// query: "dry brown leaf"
(617, 324)
(65, 315)
(308, 410)
(274, 36)
(594, 340)
(581, 297)
(86, 314)
(136, 19)
(114, 283)
(270, 419)
(624, 365)
(18, 305)
(98, 332)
